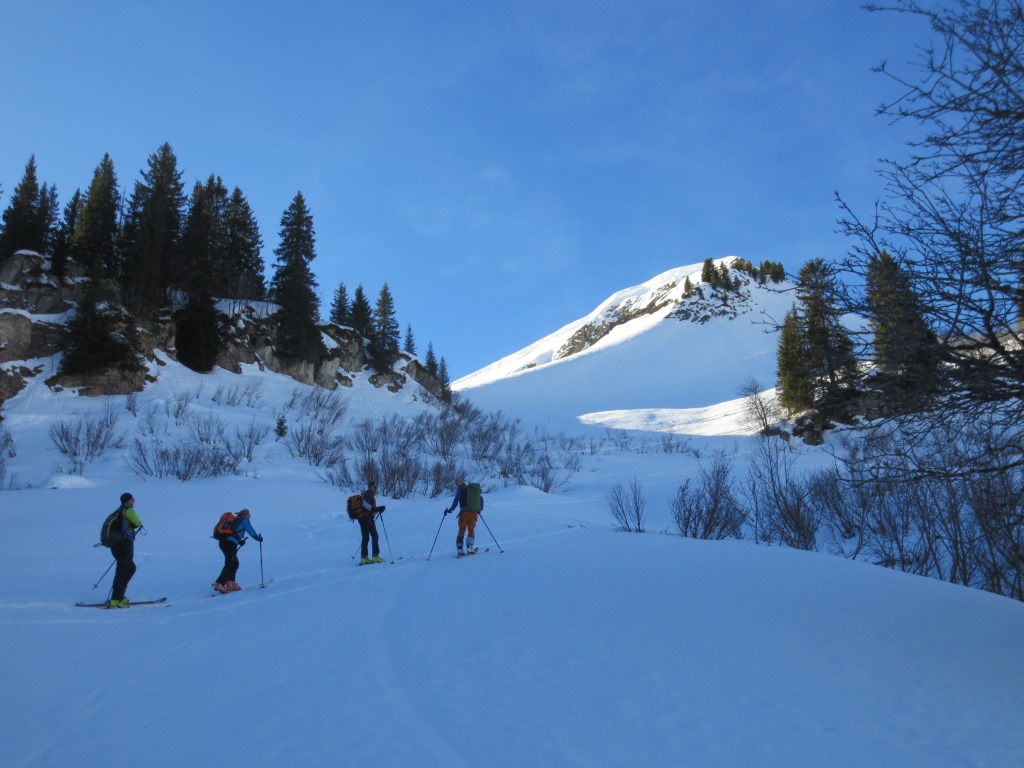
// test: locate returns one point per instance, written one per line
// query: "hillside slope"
(663, 354)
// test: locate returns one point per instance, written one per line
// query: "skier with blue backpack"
(230, 534)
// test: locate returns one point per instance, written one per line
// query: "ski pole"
(443, 516)
(104, 574)
(380, 516)
(492, 535)
(262, 585)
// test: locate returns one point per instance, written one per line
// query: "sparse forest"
(159, 252)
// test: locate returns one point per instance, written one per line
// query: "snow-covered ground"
(568, 643)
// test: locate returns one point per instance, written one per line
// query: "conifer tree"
(197, 324)
(91, 346)
(384, 343)
(829, 356)
(94, 238)
(245, 267)
(360, 314)
(794, 382)
(197, 336)
(708, 273)
(293, 287)
(430, 361)
(339, 306)
(409, 345)
(22, 228)
(214, 200)
(904, 345)
(65, 233)
(442, 377)
(47, 218)
(152, 234)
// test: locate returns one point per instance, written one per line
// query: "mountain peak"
(677, 340)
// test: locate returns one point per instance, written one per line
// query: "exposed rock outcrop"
(35, 307)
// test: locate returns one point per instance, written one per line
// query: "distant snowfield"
(568, 643)
(724, 419)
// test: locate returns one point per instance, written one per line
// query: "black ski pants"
(368, 528)
(124, 554)
(230, 550)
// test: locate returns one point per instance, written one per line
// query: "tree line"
(936, 276)
(160, 251)
(930, 375)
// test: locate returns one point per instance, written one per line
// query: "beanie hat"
(126, 497)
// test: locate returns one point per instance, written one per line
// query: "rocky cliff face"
(35, 307)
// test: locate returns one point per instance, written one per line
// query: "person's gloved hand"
(259, 538)
(242, 543)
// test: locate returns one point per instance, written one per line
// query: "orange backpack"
(225, 527)
(355, 506)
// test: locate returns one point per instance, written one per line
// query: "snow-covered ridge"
(662, 354)
(622, 316)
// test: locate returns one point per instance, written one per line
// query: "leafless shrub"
(151, 424)
(247, 439)
(619, 439)
(252, 396)
(226, 397)
(7, 443)
(7, 451)
(182, 461)
(440, 478)
(671, 443)
(487, 436)
(780, 501)
(131, 403)
(542, 474)
(628, 506)
(232, 396)
(315, 443)
(319, 405)
(85, 440)
(365, 439)
(208, 430)
(441, 434)
(711, 510)
(962, 527)
(761, 410)
(338, 475)
(177, 406)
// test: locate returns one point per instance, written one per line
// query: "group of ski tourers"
(123, 524)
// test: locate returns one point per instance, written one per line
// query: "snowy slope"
(567, 644)
(656, 368)
(576, 645)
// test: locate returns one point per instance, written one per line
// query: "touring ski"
(473, 552)
(132, 604)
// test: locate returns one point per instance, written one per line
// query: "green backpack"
(111, 532)
(472, 500)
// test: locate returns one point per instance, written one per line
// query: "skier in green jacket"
(124, 551)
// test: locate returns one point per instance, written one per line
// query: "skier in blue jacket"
(468, 514)
(229, 545)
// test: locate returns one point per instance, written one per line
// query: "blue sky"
(504, 167)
